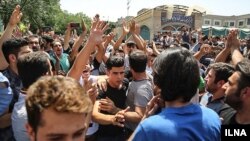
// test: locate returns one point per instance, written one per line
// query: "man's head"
(176, 73)
(32, 66)
(238, 86)
(47, 42)
(119, 52)
(57, 108)
(217, 76)
(13, 48)
(131, 46)
(115, 70)
(138, 61)
(34, 42)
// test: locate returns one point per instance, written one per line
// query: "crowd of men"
(181, 86)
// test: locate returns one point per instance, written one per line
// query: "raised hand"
(16, 16)
(84, 29)
(125, 29)
(96, 32)
(235, 44)
(205, 49)
(132, 26)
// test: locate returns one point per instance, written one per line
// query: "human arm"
(14, 20)
(67, 37)
(125, 31)
(155, 50)
(97, 29)
(134, 30)
(103, 119)
(234, 45)
(205, 48)
(222, 56)
(78, 41)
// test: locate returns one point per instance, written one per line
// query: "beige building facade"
(172, 17)
(241, 21)
(164, 18)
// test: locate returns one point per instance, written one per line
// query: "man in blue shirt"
(178, 119)
(5, 94)
(5, 100)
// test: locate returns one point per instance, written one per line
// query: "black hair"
(138, 61)
(13, 46)
(222, 71)
(243, 68)
(114, 61)
(31, 66)
(176, 73)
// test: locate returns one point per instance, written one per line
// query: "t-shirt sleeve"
(143, 96)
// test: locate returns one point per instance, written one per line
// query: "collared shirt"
(216, 104)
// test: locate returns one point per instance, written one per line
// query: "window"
(217, 22)
(248, 21)
(241, 23)
(207, 22)
(231, 24)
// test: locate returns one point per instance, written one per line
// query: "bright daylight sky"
(113, 9)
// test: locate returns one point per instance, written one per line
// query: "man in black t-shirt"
(109, 102)
(238, 94)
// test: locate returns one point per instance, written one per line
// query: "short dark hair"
(114, 61)
(32, 66)
(176, 73)
(35, 36)
(193, 39)
(13, 46)
(138, 61)
(47, 38)
(243, 67)
(222, 71)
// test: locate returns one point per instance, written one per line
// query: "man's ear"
(12, 58)
(246, 91)
(30, 132)
(220, 83)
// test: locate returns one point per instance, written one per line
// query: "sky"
(113, 9)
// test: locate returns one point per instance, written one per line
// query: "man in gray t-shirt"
(138, 95)
(140, 90)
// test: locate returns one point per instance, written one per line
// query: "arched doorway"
(145, 33)
(174, 27)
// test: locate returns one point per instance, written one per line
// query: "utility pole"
(128, 6)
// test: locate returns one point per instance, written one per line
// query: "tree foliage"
(40, 13)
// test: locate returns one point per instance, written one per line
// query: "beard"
(210, 89)
(234, 100)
